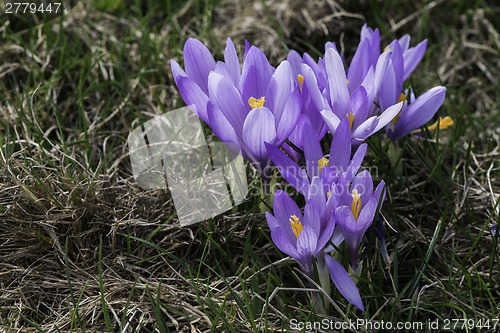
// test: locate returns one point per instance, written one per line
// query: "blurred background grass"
(85, 249)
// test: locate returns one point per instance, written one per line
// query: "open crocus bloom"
(357, 205)
(337, 103)
(242, 106)
(303, 237)
(253, 112)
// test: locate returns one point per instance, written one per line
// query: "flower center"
(322, 162)
(402, 98)
(350, 116)
(356, 204)
(256, 103)
(296, 225)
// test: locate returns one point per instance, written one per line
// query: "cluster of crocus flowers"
(340, 202)
(269, 112)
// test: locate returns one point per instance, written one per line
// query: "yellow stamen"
(356, 204)
(301, 79)
(329, 193)
(296, 225)
(350, 116)
(322, 162)
(346, 81)
(385, 48)
(256, 103)
(444, 123)
(402, 98)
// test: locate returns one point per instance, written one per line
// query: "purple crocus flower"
(402, 62)
(357, 205)
(337, 103)
(417, 113)
(404, 59)
(253, 112)
(244, 107)
(303, 237)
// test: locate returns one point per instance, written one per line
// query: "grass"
(84, 249)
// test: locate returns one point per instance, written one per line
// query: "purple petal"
(374, 47)
(220, 126)
(311, 217)
(289, 119)
(340, 151)
(232, 61)
(257, 129)
(337, 82)
(404, 42)
(398, 66)
(388, 115)
(312, 151)
(359, 66)
(360, 106)
(326, 234)
(351, 230)
(198, 62)
(331, 120)
(289, 170)
(366, 32)
(225, 95)
(176, 70)
(337, 238)
(319, 73)
(295, 61)
(364, 130)
(282, 241)
(366, 215)
(222, 69)
(380, 69)
(419, 112)
(356, 161)
(412, 58)
(311, 84)
(272, 222)
(330, 45)
(316, 201)
(193, 96)
(255, 74)
(247, 48)
(296, 137)
(307, 241)
(279, 89)
(343, 282)
(377, 194)
(388, 91)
